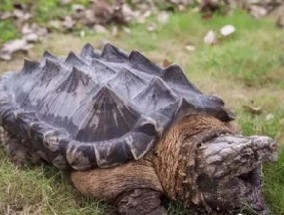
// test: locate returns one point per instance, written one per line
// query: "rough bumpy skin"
(98, 110)
(139, 132)
(200, 162)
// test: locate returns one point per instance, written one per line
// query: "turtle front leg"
(140, 201)
(133, 188)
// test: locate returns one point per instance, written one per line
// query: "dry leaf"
(128, 13)
(21, 15)
(54, 24)
(5, 15)
(32, 37)
(106, 12)
(166, 63)
(68, 23)
(258, 11)
(32, 31)
(190, 48)
(12, 47)
(253, 110)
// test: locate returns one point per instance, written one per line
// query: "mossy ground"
(245, 69)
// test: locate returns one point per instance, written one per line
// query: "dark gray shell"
(98, 110)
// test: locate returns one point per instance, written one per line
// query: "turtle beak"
(230, 167)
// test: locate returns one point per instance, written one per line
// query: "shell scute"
(48, 55)
(175, 77)
(109, 117)
(156, 95)
(133, 83)
(87, 51)
(111, 53)
(50, 70)
(74, 60)
(141, 63)
(30, 66)
(75, 78)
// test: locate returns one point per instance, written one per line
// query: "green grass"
(8, 31)
(274, 182)
(245, 56)
(42, 11)
(40, 191)
(245, 69)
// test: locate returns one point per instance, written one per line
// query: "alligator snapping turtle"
(131, 132)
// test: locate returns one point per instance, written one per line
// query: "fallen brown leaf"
(166, 63)
(68, 23)
(12, 47)
(252, 109)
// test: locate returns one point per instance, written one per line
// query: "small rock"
(227, 30)
(210, 38)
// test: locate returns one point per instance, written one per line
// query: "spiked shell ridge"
(98, 109)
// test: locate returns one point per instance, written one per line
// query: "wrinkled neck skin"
(175, 156)
(204, 162)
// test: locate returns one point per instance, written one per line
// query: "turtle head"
(228, 172)
(205, 162)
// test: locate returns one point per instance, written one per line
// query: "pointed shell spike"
(111, 52)
(47, 54)
(139, 61)
(29, 66)
(73, 60)
(87, 51)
